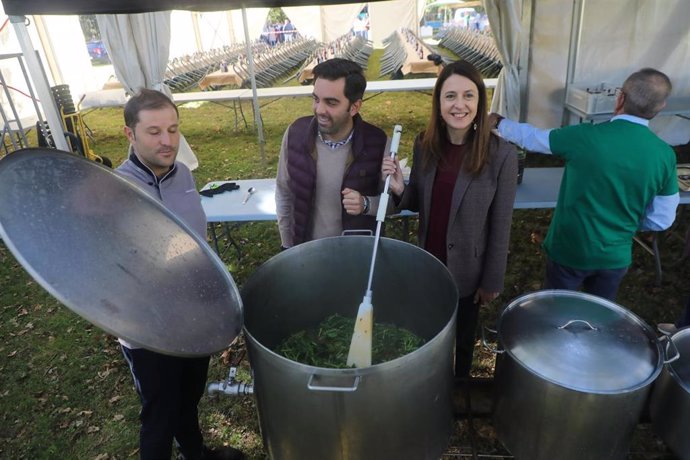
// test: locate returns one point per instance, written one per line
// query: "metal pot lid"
(580, 341)
(114, 255)
(680, 368)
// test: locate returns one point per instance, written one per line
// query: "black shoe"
(222, 453)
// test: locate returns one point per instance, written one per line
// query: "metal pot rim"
(570, 353)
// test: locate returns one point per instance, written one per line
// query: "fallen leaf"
(118, 417)
(92, 429)
(536, 238)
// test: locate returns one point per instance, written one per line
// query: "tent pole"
(255, 98)
(574, 48)
(525, 52)
(41, 84)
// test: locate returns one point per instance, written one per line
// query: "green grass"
(65, 390)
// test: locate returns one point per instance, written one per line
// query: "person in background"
(328, 176)
(682, 322)
(169, 387)
(619, 178)
(288, 30)
(463, 183)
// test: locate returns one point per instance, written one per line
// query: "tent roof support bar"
(40, 82)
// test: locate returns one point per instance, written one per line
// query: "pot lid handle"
(572, 321)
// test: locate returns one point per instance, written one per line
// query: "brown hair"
(336, 68)
(146, 99)
(478, 139)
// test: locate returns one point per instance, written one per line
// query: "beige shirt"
(328, 201)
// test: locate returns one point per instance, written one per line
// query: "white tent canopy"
(598, 41)
(558, 43)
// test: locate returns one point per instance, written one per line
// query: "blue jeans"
(602, 283)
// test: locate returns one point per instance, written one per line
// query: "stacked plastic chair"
(185, 72)
(475, 47)
(271, 63)
(348, 46)
(394, 55)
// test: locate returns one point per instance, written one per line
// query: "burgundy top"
(441, 198)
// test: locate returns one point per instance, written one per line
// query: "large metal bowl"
(114, 255)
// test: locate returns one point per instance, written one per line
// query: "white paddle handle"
(383, 201)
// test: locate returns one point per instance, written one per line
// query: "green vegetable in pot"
(328, 344)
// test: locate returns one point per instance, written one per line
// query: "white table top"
(117, 97)
(539, 189)
(228, 207)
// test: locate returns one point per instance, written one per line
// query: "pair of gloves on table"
(226, 187)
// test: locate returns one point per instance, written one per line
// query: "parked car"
(97, 51)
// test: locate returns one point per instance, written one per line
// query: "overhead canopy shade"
(27, 7)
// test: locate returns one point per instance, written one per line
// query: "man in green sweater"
(619, 178)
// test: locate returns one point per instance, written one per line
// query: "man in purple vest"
(329, 169)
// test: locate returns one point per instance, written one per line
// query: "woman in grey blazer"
(462, 183)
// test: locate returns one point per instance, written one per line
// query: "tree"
(276, 15)
(89, 27)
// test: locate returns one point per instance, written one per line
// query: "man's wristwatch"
(499, 119)
(365, 204)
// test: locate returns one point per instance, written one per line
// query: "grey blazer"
(480, 216)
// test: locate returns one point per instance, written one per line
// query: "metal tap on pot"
(230, 386)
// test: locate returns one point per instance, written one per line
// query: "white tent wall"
(65, 40)
(323, 23)
(387, 17)
(256, 19)
(214, 30)
(326, 23)
(192, 31)
(617, 38)
(306, 19)
(337, 20)
(183, 39)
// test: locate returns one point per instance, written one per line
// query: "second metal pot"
(572, 377)
(670, 404)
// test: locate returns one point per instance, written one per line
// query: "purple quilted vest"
(363, 175)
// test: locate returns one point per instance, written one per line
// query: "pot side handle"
(329, 384)
(486, 344)
(670, 344)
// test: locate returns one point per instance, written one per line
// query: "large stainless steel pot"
(573, 376)
(670, 403)
(401, 409)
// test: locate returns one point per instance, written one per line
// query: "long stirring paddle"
(360, 346)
